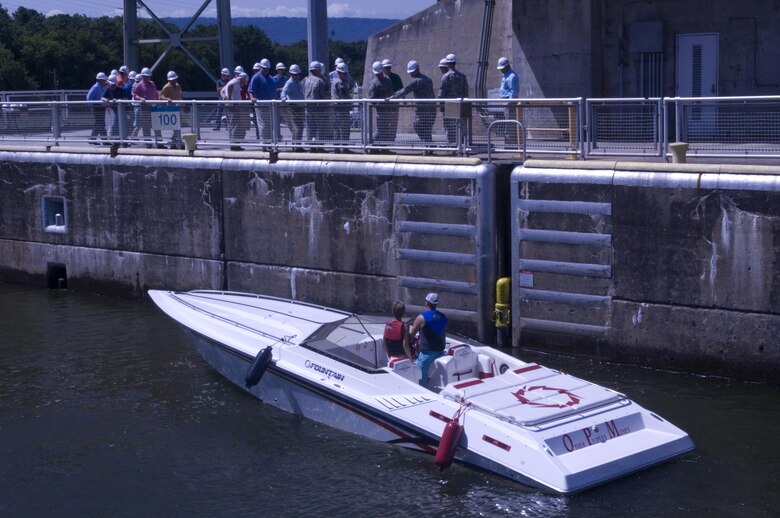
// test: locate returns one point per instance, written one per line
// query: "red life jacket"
(394, 338)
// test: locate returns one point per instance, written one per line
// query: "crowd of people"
(137, 87)
(323, 122)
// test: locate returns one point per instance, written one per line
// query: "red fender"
(450, 439)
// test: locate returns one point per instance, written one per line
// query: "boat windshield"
(354, 340)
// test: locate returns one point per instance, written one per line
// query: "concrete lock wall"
(350, 234)
(673, 265)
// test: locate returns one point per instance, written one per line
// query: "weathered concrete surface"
(322, 229)
(693, 264)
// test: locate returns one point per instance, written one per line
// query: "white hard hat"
(264, 63)
(432, 298)
(443, 62)
(244, 77)
(338, 60)
(342, 67)
(387, 63)
(315, 65)
(101, 77)
(451, 58)
(131, 75)
(114, 72)
(280, 66)
(377, 67)
(238, 70)
(172, 76)
(295, 69)
(412, 66)
(146, 72)
(257, 66)
(225, 72)
(502, 62)
(112, 79)
(124, 69)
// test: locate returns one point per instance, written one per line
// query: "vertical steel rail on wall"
(544, 281)
(472, 220)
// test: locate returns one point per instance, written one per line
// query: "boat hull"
(536, 426)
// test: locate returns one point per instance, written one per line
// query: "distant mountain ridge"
(284, 30)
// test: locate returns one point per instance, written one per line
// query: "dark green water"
(105, 410)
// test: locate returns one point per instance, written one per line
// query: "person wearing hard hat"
(294, 113)
(314, 89)
(510, 89)
(280, 78)
(96, 94)
(237, 117)
(219, 113)
(397, 84)
(425, 113)
(340, 90)
(132, 78)
(262, 88)
(110, 97)
(143, 91)
(454, 85)
(380, 87)
(171, 91)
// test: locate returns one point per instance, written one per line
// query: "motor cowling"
(450, 438)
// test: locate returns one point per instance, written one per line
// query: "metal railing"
(715, 127)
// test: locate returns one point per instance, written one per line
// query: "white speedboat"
(482, 408)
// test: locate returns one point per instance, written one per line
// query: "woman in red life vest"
(396, 337)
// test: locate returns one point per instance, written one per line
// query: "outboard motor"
(261, 363)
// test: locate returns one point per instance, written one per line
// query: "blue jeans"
(424, 361)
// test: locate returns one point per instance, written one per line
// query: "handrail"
(572, 127)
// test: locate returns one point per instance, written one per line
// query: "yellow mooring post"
(501, 314)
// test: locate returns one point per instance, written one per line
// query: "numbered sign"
(166, 118)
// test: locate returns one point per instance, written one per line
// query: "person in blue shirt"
(510, 89)
(432, 326)
(98, 113)
(262, 88)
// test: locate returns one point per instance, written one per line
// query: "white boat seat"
(405, 368)
(460, 363)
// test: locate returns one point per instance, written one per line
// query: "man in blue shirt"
(262, 88)
(510, 89)
(432, 326)
(98, 114)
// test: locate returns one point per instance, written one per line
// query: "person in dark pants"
(98, 114)
(381, 88)
(454, 85)
(397, 84)
(432, 326)
(425, 114)
(340, 89)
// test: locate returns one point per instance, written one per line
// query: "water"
(105, 410)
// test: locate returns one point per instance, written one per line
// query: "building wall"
(666, 264)
(588, 48)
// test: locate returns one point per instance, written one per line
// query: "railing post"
(55, 121)
(276, 122)
(121, 121)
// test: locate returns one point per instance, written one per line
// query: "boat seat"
(460, 363)
(405, 368)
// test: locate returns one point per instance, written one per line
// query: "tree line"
(39, 52)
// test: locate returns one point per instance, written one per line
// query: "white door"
(697, 65)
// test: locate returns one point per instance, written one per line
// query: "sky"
(395, 9)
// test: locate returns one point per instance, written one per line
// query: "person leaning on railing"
(145, 90)
(425, 113)
(341, 89)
